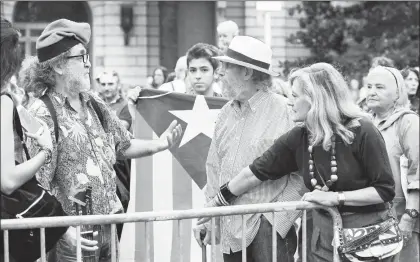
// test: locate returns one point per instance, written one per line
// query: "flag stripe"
(181, 200)
(144, 190)
(162, 200)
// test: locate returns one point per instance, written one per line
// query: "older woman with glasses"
(338, 151)
(388, 100)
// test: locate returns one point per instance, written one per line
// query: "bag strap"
(97, 110)
(372, 235)
(18, 127)
(47, 101)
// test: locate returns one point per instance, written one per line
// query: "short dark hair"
(206, 51)
(10, 51)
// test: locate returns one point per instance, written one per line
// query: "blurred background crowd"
(144, 43)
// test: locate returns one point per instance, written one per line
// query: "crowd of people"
(306, 137)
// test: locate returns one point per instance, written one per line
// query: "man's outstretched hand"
(171, 136)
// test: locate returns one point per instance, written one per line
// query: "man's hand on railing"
(203, 235)
(212, 203)
(203, 220)
(71, 238)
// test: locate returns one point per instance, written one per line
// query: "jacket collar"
(397, 114)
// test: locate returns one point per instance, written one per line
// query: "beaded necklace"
(333, 177)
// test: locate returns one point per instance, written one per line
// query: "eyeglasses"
(85, 57)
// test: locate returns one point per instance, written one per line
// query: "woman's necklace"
(333, 177)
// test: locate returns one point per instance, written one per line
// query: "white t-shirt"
(176, 85)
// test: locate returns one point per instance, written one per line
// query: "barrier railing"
(147, 217)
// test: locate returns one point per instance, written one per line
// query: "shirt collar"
(62, 99)
(253, 102)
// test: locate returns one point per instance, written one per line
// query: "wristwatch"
(412, 213)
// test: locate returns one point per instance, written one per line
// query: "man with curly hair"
(88, 137)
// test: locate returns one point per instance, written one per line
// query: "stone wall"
(129, 61)
(137, 60)
(108, 49)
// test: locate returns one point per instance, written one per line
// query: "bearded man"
(87, 136)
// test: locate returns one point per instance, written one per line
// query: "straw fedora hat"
(249, 52)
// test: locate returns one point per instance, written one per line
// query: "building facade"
(134, 37)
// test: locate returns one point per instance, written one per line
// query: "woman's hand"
(43, 136)
(321, 197)
(406, 226)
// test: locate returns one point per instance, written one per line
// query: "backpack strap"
(47, 101)
(97, 111)
(18, 127)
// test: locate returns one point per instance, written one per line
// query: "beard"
(230, 91)
(77, 84)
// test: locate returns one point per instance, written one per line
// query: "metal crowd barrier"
(147, 217)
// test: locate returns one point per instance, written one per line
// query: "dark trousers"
(260, 250)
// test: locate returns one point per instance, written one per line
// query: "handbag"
(29, 200)
(372, 242)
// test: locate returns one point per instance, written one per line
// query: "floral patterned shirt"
(85, 152)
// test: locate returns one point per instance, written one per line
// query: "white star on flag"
(200, 119)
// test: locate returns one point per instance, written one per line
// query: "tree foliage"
(349, 36)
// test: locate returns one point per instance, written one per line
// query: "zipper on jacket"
(20, 215)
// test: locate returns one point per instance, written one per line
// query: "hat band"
(246, 59)
(56, 49)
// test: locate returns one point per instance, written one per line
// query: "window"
(31, 17)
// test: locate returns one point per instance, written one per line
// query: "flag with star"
(197, 116)
(172, 180)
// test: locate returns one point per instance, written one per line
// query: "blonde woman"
(388, 100)
(338, 151)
